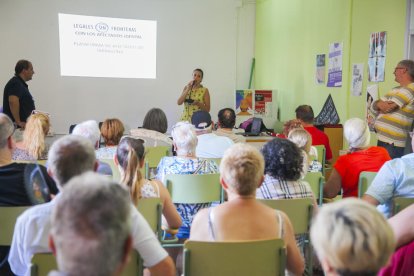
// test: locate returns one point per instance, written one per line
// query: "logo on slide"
(101, 27)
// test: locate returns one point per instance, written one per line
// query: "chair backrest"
(299, 211)
(321, 156)
(316, 182)
(261, 257)
(8, 216)
(151, 210)
(43, 263)
(365, 179)
(153, 157)
(194, 188)
(400, 203)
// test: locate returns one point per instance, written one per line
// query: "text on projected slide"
(93, 46)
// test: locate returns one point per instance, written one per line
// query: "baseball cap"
(201, 119)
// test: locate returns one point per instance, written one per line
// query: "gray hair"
(91, 223)
(6, 129)
(88, 129)
(353, 237)
(301, 138)
(184, 137)
(70, 156)
(409, 64)
(357, 133)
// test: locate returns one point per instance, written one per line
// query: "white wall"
(215, 35)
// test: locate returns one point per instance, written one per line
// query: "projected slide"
(107, 47)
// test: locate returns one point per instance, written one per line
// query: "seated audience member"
(186, 162)
(360, 157)
(283, 170)
(209, 144)
(241, 171)
(71, 156)
(33, 146)
(130, 156)
(351, 238)
(402, 259)
(102, 244)
(289, 126)
(12, 183)
(90, 130)
(394, 179)
(305, 114)
(153, 129)
(303, 140)
(226, 122)
(111, 130)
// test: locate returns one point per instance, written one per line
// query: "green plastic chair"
(299, 211)
(116, 176)
(194, 188)
(43, 263)
(243, 258)
(8, 216)
(400, 203)
(365, 179)
(316, 182)
(153, 157)
(151, 210)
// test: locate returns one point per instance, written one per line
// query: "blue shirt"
(394, 179)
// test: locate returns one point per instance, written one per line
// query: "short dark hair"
(155, 119)
(283, 159)
(227, 118)
(21, 65)
(305, 113)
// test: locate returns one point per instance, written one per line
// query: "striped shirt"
(393, 127)
(275, 189)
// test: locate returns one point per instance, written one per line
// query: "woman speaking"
(194, 96)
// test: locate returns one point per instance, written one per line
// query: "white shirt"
(31, 234)
(211, 145)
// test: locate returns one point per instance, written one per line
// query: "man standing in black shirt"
(18, 103)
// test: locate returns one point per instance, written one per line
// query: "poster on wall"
(372, 96)
(320, 69)
(376, 56)
(357, 75)
(244, 102)
(335, 65)
(263, 103)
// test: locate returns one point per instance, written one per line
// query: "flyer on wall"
(376, 56)
(263, 103)
(244, 102)
(357, 76)
(320, 69)
(335, 65)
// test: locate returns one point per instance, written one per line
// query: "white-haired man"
(71, 156)
(209, 144)
(102, 245)
(90, 130)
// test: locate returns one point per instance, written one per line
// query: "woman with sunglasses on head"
(33, 146)
(130, 156)
(195, 96)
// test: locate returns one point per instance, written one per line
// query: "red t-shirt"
(320, 138)
(350, 165)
